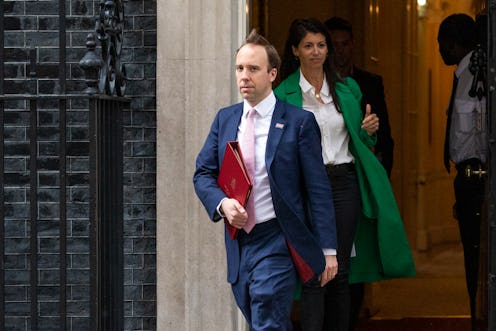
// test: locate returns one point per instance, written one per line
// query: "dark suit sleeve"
(207, 172)
(373, 93)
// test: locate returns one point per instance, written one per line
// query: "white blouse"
(335, 137)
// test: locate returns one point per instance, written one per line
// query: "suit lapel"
(277, 127)
(233, 121)
(229, 127)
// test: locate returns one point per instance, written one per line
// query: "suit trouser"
(469, 196)
(328, 307)
(267, 278)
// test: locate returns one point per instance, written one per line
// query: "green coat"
(380, 242)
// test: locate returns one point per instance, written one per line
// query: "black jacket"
(373, 93)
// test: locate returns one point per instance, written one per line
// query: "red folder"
(234, 179)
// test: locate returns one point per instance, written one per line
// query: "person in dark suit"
(295, 231)
(370, 84)
(465, 141)
(372, 88)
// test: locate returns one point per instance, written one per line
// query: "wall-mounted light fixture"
(421, 6)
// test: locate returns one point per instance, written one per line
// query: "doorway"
(397, 40)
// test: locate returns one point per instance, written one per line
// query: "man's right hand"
(234, 212)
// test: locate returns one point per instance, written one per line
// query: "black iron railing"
(105, 207)
(106, 210)
(104, 103)
(491, 76)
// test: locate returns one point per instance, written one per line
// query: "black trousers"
(328, 308)
(469, 199)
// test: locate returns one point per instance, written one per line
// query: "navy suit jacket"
(300, 189)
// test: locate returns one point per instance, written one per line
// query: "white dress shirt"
(264, 207)
(335, 137)
(468, 122)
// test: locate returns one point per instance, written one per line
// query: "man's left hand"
(330, 270)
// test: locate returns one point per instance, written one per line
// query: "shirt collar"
(264, 108)
(306, 86)
(462, 66)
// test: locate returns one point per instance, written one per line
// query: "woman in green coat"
(366, 211)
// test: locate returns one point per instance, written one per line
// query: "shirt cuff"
(218, 208)
(329, 251)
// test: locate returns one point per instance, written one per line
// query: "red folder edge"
(234, 180)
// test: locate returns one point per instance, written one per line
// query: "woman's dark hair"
(297, 31)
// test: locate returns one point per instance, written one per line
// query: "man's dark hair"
(338, 23)
(460, 29)
(255, 38)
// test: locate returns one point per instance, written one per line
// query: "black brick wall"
(35, 24)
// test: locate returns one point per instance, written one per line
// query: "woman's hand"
(370, 121)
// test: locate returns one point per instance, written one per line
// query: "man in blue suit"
(294, 233)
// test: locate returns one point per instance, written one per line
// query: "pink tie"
(248, 151)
